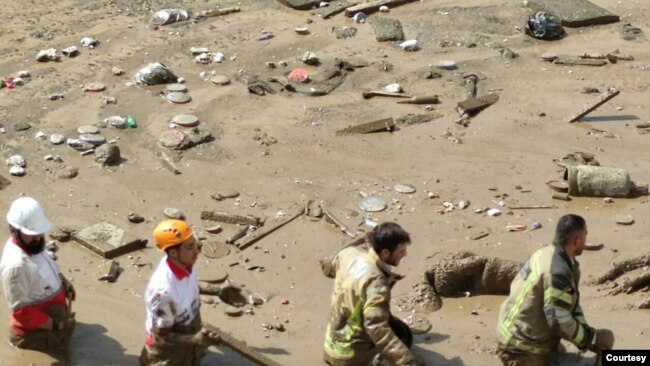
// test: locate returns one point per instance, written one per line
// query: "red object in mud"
(298, 76)
(285, 302)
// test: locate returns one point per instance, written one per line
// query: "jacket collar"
(387, 269)
(573, 264)
(178, 271)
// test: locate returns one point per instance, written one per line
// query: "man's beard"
(35, 247)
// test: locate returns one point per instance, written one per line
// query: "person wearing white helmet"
(38, 295)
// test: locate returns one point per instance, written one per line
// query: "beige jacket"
(358, 327)
(544, 305)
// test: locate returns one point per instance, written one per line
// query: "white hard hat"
(28, 216)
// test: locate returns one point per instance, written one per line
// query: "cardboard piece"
(108, 240)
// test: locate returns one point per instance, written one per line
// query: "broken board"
(373, 6)
(576, 61)
(575, 13)
(108, 240)
(385, 124)
(473, 105)
(241, 347)
(334, 8)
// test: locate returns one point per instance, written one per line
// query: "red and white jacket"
(172, 297)
(31, 285)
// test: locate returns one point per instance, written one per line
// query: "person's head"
(28, 224)
(176, 238)
(571, 233)
(389, 241)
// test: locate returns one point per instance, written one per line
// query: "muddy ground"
(509, 144)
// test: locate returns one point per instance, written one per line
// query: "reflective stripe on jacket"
(358, 327)
(543, 306)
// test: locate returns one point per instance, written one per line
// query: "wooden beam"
(373, 6)
(602, 99)
(241, 347)
(269, 228)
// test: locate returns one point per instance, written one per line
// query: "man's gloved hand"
(206, 338)
(604, 339)
(66, 324)
(67, 286)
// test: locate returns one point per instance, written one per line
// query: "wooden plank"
(471, 105)
(269, 228)
(229, 218)
(380, 93)
(385, 124)
(373, 6)
(219, 12)
(602, 99)
(534, 207)
(577, 61)
(334, 8)
(241, 347)
(329, 216)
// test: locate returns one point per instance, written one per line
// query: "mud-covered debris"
(22, 126)
(631, 33)
(222, 195)
(174, 213)
(508, 54)
(90, 42)
(387, 29)
(108, 155)
(71, 51)
(47, 55)
(113, 272)
(117, 71)
(61, 234)
(16, 160)
(67, 172)
(345, 32)
(135, 218)
(466, 272)
(169, 16)
(155, 73)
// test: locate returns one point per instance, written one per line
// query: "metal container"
(597, 181)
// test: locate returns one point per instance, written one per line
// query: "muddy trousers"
(41, 340)
(402, 331)
(517, 358)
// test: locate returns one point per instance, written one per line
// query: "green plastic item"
(2, 84)
(130, 121)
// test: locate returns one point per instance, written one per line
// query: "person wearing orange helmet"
(175, 334)
(38, 295)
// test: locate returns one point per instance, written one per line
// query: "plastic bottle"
(130, 121)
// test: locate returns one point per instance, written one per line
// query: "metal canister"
(598, 181)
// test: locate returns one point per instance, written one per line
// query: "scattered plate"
(372, 204)
(87, 130)
(419, 324)
(178, 97)
(215, 249)
(179, 88)
(624, 219)
(298, 76)
(220, 80)
(213, 275)
(95, 87)
(171, 138)
(301, 30)
(446, 65)
(186, 120)
(233, 311)
(116, 122)
(558, 186)
(95, 140)
(404, 188)
(594, 246)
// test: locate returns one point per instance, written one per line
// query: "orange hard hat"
(170, 233)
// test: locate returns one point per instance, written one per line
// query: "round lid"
(558, 186)
(116, 121)
(213, 275)
(372, 204)
(87, 129)
(177, 88)
(178, 97)
(404, 188)
(220, 80)
(233, 311)
(624, 219)
(93, 139)
(301, 30)
(186, 120)
(95, 87)
(215, 249)
(171, 138)
(298, 76)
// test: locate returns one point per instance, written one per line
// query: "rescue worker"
(544, 303)
(175, 335)
(38, 295)
(361, 329)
